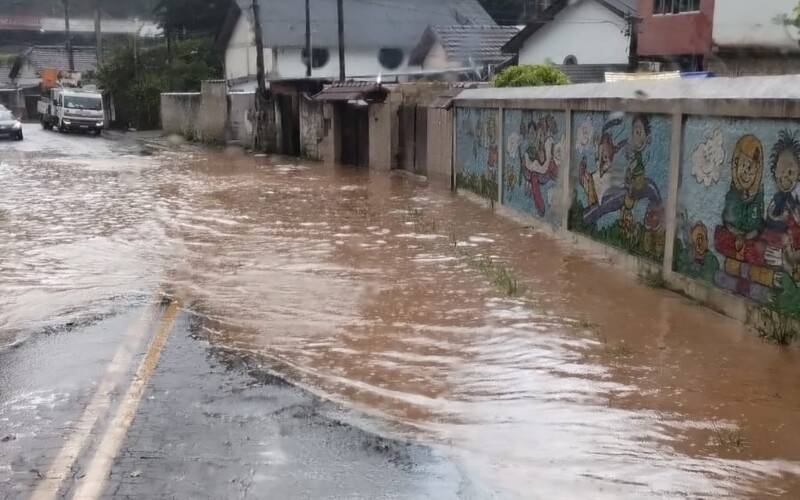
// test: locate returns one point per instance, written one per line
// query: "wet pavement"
(348, 334)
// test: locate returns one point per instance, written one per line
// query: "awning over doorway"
(353, 91)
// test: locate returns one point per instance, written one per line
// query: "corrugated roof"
(353, 91)
(477, 44)
(55, 57)
(368, 23)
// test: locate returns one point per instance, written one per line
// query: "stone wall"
(312, 128)
(697, 181)
(179, 114)
(440, 144)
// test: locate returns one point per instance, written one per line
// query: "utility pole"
(261, 93)
(308, 39)
(340, 12)
(69, 37)
(98, 31)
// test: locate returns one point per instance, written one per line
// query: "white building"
(592, 34)
(754, 40)
(379, 35)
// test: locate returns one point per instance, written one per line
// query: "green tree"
(136, 80)
(184, 18)
(530, 76)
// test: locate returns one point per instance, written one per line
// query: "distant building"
(379, 36)
(454, 47)
(726, 37)
(585, 38)
(21, 76)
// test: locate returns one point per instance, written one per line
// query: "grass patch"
(653, 279)
(501, 276)
(728, 439)
(775, 327)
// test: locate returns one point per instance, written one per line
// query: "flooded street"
(526, 368)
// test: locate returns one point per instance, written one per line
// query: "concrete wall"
(241, 118)
(211, 115)
(179, 114)
(312, 128)
(586, 30)
(703, 190)
(440, 144)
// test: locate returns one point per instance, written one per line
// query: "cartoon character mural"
(756, 240)
(620, 166)
(477, 151)
(534, 150)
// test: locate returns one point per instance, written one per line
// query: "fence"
(698, 181)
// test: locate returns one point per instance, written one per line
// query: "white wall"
(437, 58)
(240, 56)
(240, 59)
(358, 61)
(585, 29)
(746, 23)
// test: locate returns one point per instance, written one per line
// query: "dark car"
(9, 125)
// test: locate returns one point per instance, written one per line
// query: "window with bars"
(675, 6)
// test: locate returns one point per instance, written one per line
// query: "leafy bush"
(535, 75)
(136, 81)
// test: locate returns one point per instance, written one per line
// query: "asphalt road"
(128, 399)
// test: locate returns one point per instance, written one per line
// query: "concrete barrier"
(697, 181)
(210, 116)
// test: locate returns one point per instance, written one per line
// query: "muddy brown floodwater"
(398, 301)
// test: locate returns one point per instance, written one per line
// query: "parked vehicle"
(10, 126)
(69, 109)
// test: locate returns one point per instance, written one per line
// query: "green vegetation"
(654, 279)
(136, 80)
(501, 276)
(530, 76)
(779, 319)
(478, 184)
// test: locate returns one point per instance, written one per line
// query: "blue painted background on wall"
(738, 225)
(619, 174)
(477, 151)
(534, 142)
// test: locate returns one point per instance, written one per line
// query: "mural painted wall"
(534, 142)
(739, 208)
(620, 171)
(477, 151)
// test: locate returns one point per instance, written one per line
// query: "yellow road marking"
(91, 485)
(61, 468)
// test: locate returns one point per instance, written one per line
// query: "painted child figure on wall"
(743, 216)
(538, 167)
(782, 224)
(699, 262)
(598, 183)
(637, 185)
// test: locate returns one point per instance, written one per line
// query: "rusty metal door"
(408, 122)
(421, 141)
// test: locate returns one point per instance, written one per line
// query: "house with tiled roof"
(379, 36)
(585, 38)
(459, 46)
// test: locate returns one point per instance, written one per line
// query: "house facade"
(454, 47)
(580, 36)
(379, 36)
(726, 37)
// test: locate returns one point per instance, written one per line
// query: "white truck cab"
(72, 109)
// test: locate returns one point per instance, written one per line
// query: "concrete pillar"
(566, 171)
(331, 145)
(213, 111)
(671, 213)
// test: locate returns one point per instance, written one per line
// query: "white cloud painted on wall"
(585, 135)
(707, 159)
